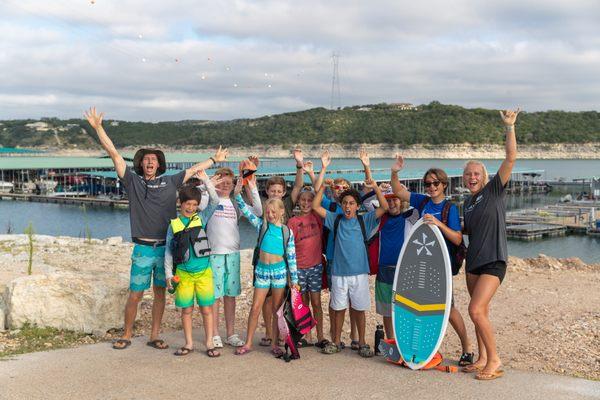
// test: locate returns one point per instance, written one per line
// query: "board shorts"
(147, 265)
(496, 268)
(350, 289)
(383, 299)
(226, 274)
(198, 285)
(310, 279)
(267, 276)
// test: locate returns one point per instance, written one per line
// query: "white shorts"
(355, 288)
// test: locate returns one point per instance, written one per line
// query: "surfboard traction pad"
(419, 300)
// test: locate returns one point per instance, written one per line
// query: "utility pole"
(336, 99)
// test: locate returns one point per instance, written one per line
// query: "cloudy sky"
(190, 59)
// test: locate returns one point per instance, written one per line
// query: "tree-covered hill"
(432, 124)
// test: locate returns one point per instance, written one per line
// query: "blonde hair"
(276, 203)
(483, 168)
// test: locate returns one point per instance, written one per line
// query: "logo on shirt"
(424, 245)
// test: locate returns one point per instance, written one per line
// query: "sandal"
(183, 351)
(158, 344)
(354, 345)
(217, 342)
(121, 344)
(304, 343)
(466, 359)
(331, 348)
(240, 351)
(212, 353)
(484, 376)
(265, 342)
(321, 343)
(234, 341)
(472, 368)
(365, 351)
(277, 352)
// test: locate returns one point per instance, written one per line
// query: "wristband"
(213, 160)
(299, 166)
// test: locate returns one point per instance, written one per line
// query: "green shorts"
(226, 274)
(198, 285)
(383, 299)
(147, 262)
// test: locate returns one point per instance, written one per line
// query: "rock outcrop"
(90, 303)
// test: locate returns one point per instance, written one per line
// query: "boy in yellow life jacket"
(187, 257)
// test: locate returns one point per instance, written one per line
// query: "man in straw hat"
(152, 204)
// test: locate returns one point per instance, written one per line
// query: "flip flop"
(471, 368)
(212, 353)
(240, 351)
(277, 352)
(304, 343)
(484, 376)
(265, 342)
(183, 351)
(124, 342)
(158, 344)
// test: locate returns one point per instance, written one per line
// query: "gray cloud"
(57, 58)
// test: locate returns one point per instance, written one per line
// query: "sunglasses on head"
(340, 187)
(434, 183)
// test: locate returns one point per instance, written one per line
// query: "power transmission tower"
(336, 99)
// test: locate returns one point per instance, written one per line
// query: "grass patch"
(32, 338)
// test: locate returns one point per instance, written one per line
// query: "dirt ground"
(546, 313)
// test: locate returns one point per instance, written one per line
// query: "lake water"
(102, 222)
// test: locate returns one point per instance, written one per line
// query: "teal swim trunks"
(226, 274)
(147, 265)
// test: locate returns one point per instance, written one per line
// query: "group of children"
(316, 237)
(198, 251)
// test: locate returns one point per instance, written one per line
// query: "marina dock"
(553, 220)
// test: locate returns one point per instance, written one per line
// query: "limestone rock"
(78, 302)
(113, 241)
(3, 307)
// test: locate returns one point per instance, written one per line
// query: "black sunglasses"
(434, 183)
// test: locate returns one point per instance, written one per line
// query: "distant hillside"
(399, 124)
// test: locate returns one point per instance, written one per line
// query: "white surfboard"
(422, 295)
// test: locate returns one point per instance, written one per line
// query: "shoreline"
(543, 151)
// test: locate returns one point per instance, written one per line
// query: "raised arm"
(213, 197)
(316, 204)
(253, 219)
(325, 161)
(383, 204)
(308, 168)
(95, 121)
(509, 118)
(299, 181)
(398, 188)
(366, 162)
(220, 155)
(254, 196)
